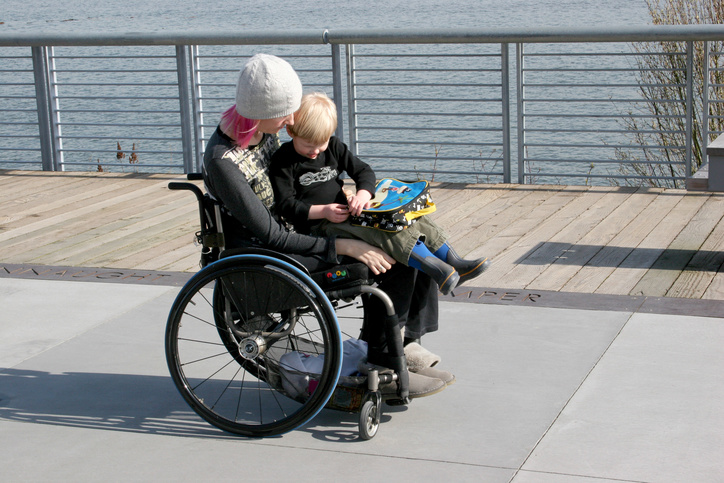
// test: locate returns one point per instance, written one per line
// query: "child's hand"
(348, 193)
(359, 202)
(335, 212)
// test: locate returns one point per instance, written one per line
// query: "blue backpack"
(396, 205)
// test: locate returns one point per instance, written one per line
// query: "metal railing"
(581, 113)
(480, 106)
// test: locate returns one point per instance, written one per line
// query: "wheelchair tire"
(233, 336)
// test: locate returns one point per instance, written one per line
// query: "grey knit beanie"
(267, 88)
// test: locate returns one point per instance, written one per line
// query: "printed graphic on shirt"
(322, 176)
(254, 163)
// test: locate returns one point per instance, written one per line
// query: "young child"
(305, 174)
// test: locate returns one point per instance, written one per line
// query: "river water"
(123, 16)
(214, 15)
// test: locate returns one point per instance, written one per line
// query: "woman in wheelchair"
(235, 174)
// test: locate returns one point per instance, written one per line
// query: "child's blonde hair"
(316, 119)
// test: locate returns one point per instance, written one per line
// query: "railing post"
(505, 81)
(705, 101)
(182, 67)
(197, 107)
(520, 107)
(689, 105)
(42, 93)
(351, 102)
(54, 103)
(337, 87)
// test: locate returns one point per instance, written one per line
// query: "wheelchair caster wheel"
(369, 420)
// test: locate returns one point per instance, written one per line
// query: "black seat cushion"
(329, 277)
(343, 276)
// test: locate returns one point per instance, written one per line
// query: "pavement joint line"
(573, 394)
(466, 294)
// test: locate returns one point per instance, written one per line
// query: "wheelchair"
(254, 345)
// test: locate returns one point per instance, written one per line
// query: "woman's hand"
(359, 202)
(377, 260)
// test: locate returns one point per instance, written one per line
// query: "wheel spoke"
(258, 314)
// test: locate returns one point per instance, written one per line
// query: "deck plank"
(580, 253)
(596, 270)
(695, 279)
(515, 230)
(675, 258)
(77, 232)
(635, 266)
(558, 244)
(577, 239)
(92, 207)
(503, 268)
(137, 245)
(492, 223)
(456, 208)
(175, 255)
(715, 291)
(46, 202)
(482, 221)
(129, 237)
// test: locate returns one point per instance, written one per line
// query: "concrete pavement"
(543, 394)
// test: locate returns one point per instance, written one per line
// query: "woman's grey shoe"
(419, 358)
(421, 361)
(445, 376)
(420, 386)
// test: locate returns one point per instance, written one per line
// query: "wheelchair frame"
(253, 343)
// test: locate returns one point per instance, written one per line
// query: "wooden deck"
(595, 240)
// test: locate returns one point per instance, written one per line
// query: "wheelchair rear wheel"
(253, 345)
